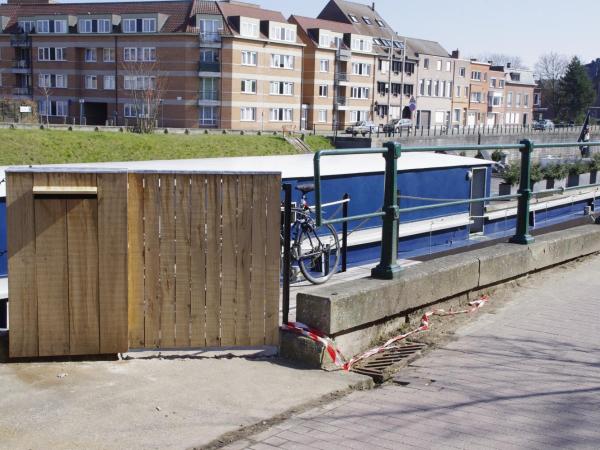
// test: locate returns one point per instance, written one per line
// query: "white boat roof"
(290, 166)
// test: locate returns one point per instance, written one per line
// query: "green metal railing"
(390, 213)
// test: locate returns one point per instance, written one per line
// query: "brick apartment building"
(234, 65)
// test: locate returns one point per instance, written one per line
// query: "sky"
(524, 28)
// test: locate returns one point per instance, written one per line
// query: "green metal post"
(388, 266)
(523, 237)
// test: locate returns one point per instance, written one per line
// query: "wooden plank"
(228, 260)
(213, 260)
(82, 245)
(112, 262)
(243, 260)
(272, 260)
(257, 282)
(151, 258)
(182, 261)
(167, 261)
(51, 277)
(61, 180)
(135, 258)
(198, 261)
(65, 190)
(23, 340)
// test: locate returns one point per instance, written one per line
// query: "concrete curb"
(359, 313)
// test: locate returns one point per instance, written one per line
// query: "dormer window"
(249, 29)
(380, 23)
(27, 26)
(43, 26)
(367, 20)
(324, 40)
(51, 26)
(94, 26)
(353, 18)
(147, 25)
(280, 33)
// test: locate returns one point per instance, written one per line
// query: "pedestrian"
(585, 149)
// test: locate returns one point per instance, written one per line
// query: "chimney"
(508, 65)
(456, 54)
(373, 6)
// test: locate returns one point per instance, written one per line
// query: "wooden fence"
(103, 262)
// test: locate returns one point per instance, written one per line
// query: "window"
(85, 26)
(249, 29)
(438, 64)
(440, 117)
(462, 72)
(44, 80)
(62, 108)
(358, 116)
(42, 26)
(362, 44)
(526, 100)
(60, 26)
(282, 61)
(148, 25)
(249, 86)
(90, 55)
(367, 20)
(281, 114)
(208, 115)
(283, 34)
(458, 91)
(421, 87)
(476, 76)
(129, 110)
(448, 66)
(426, 63)
(209, 56)
(384, 66)
(51, 54)
(353, 18)
(129, 25)
(361, 69)
(409, 68)
(91, 82)
(436, 88)
(210, 29)
(476, 97)
(323, 90)
(104, 26)
(493, 82)
(457, 115)
(134, 82)
(501, 84)
(249, 58)
(108, 54)
(509, 98)
(282, 88)
(324, 40)
(518, 101)
(380, 23)
(130, 54)
(27, 26)
(359, 93)
(495, 99)
(109, 82)
(322, 115)
(408, 89)
(248, 114)
(60, 81)
(94, 26)
(324, 65)
(148, 54)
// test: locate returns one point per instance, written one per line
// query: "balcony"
(21, 65)
(22, 91)
(209, 66)
(343, 55)
(209, 96)
(210, 37)
(341, 76)
(340, 101)
(20, 40)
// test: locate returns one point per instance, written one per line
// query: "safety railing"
(390, 213)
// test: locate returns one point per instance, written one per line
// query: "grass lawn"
(318, 142)
(54, 146)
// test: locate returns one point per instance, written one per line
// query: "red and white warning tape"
(336, 356)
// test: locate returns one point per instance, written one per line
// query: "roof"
(178, 11)
(307, 23)
(426, 47)
(291, 167)
(205, 7)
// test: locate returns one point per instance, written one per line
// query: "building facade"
(479, 83)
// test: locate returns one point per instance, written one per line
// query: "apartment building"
(520, 85)
(435, 86)
(479, 80)
(100, 63)
(392, 72)
(496, 91)
(325, 71)
(460, 93)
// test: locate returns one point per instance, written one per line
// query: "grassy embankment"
(55, 146)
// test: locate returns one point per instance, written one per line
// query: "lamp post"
(81, 106)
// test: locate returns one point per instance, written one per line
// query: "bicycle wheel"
(318, 254)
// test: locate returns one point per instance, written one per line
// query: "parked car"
(543, 125)
(363, 127)
(396, 124)
(569, 124)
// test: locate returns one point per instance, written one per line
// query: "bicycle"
(316, 251)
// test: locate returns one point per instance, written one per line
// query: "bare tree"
(501, 59)
(47, 92)
(146, 89)
(550, 69)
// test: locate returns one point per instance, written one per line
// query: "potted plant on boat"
(511, 177)
(555, 175)
(594, 166)
(536, 177)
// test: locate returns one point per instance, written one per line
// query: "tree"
(146, 89)
(550, 69)
(501, 59)
(576, 92)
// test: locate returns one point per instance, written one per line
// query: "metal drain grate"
(381, 366)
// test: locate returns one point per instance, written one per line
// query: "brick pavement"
(525, 376)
